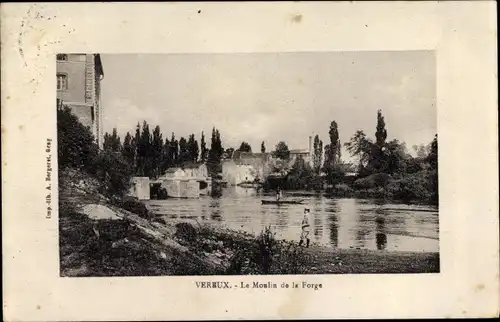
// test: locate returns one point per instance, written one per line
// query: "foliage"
(301, 176)
(372, 181)
(76, 147)
(156, 154)
(318, 154)
(281, 151)
(360, 146)
(214, 155)
(381, 133)
(112, 142)
(203, 148)
(245, 147)
(135, 206)
(262, 147)
(333, 149)
(128, 150)
(267, 255)
(113, 171)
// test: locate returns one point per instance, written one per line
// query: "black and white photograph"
(247, 164)
(249, 160)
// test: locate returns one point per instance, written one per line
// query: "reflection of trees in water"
(215, 211)
(334, 230)
(362, 231)
(381, 237)
(318, 228)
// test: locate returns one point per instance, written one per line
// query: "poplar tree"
(203, 147)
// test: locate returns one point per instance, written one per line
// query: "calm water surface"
(340, 223)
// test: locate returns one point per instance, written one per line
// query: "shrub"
(113, 171)
(186, 231)
(266, 255)
(75, 142)
(413, 186)
(135, 206)
(372, 181)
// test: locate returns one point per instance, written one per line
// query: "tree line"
(402, 174)
(151, 153)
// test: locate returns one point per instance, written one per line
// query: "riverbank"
(101, 237)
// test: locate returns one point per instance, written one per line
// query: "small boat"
(281, 202)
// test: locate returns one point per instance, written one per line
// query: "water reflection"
(381, 236)
(339, 223)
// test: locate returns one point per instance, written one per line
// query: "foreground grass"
(118, 249)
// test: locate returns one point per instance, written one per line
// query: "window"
(62, 82)
(62, 57)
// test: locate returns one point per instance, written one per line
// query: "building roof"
(191, 165)
(248, 155)
(299, 151)
(173, 170)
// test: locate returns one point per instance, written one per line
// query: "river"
(340, 223)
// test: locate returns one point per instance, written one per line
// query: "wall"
(83, 91)
(182, 188)
(235, 174)
(74, 68)
(140, 188)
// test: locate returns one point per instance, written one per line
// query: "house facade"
(78, 81)
(248, 166)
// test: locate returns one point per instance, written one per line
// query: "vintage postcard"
(249, 160)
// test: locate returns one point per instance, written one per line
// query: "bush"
(135, 206)
(266, 255)
(372, 181)
(76, 147)
(417, 186)
(113, 171)
(186, 231)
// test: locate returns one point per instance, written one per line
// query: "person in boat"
(304, 236)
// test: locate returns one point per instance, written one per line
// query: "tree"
(245, 147)
(333, 149)
(422, 150)
(112, 142)
(138, 158)
(193, 149)
(76, 147)
(262, 147)
(318, 154)
(157, 152)
(215, 153)
(396, 156)
(174, 151)
(129, 149)
(378, 158)
(183, 151)
(166, 158)
(144, 151)
(113, 171)
(381, 133)
(432, 158)
(281, 151)
(360, 147)
(203, 147)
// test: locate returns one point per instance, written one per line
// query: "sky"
(273, 96)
